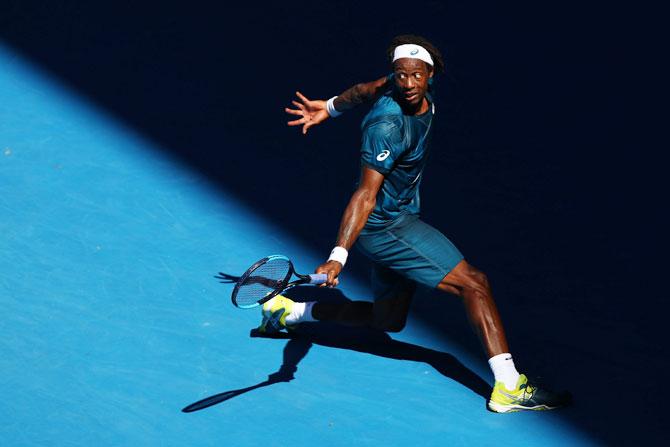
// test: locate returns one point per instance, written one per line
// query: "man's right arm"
(355, 216)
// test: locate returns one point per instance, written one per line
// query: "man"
(383, 217)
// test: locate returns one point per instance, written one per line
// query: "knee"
(390, 325)
(396, 326)
(481, 279)
(478, 281)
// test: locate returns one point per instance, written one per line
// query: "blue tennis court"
(114, 319)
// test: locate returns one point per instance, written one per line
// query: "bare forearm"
(351, 97)
(359, 94)
(355, 215)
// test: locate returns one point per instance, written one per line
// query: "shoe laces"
(528, 390)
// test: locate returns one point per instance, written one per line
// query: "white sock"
(301, 313)
(504, 370)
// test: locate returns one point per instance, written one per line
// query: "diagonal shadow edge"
(269, 214)
(361, 340)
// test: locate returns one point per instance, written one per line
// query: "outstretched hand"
(312, 112)
(332, 269)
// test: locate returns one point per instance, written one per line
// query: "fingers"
(313, 120)
(293, 111)
(297, 122)
(306, 119)
(330, 284)
(302, 97)
(332, 279)
(305, 110)
(321, 269)
(307, 125)
(332, 272)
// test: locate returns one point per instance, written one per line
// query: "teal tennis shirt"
(396, 145)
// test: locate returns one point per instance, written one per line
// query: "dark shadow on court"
(364, 340)
(294, 351)
(538, 171)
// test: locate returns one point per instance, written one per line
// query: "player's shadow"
(364, 340)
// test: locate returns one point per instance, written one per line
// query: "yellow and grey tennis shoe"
(274, 314)
(525, 397)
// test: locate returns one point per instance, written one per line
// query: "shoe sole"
(510, 408)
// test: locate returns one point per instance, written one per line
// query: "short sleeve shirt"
(395, 145)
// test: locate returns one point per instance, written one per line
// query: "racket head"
(262, 281)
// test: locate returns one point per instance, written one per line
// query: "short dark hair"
(417, 40)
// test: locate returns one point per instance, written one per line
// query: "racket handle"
(318, 278)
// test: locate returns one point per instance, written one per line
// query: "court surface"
(113, 320)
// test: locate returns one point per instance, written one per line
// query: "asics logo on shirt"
(384, 155)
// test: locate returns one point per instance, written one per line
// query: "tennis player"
(383, 217)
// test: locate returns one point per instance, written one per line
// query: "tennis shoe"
(525, 397)
(274, 314)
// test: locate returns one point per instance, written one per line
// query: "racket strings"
(263, 280)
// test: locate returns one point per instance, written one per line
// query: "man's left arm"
(314, 112)
(359, 94)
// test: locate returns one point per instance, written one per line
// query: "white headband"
(412, 51)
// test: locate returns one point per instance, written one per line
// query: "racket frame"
(302, 279)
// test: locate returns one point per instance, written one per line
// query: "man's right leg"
(352, 313)
(392, 298)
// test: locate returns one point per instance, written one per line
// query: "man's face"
(411, 81)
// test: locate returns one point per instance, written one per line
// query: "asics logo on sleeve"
(384, 155)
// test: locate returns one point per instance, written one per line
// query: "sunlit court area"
(146, 163)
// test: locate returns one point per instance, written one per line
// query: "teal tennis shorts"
(410, 249)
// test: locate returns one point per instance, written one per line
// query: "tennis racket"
(266, 279)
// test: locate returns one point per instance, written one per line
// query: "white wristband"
(339, 254)
(330, 108)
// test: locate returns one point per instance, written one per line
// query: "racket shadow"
(294, 351)
(225, 278)
(364, 340)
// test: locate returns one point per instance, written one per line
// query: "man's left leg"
(473, 286)
(511, 392)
